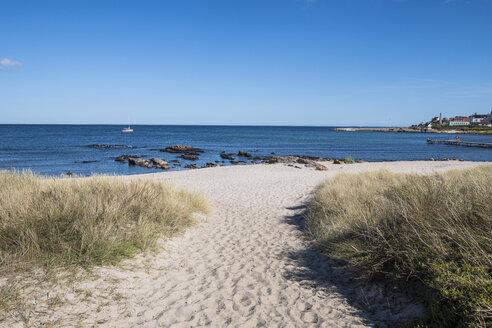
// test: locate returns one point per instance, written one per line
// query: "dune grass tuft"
(436, 230)
(349, 160)
(98, 220)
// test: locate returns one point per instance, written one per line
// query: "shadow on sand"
(377, 306)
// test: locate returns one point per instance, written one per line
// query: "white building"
(485, 122)
(477, 118)
(458, 120)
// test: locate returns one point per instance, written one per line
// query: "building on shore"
(485, 122)
(459, 120)
(477, 118)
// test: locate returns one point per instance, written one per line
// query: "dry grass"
(59, 223)
(436, 230)
(87, 221)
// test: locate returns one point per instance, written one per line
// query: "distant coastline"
(473, 124)
(454, 130)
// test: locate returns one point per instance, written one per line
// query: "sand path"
(248, 264)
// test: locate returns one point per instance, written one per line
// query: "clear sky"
(266, 62)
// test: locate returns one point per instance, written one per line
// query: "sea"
(54, 150)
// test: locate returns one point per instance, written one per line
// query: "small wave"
(110, 146)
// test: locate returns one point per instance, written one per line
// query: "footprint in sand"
(303, 306)
(244, 303)
(309, 317)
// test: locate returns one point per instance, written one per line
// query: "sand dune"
(246, 265)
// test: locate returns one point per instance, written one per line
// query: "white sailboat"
(128, 129)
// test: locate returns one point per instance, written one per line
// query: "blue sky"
(268, 62)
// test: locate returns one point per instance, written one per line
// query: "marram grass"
(436, 230)
(98, 220)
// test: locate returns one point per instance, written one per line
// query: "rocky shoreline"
(190, 154)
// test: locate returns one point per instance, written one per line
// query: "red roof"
(463, 119)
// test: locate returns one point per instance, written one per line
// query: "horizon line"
(245, 125)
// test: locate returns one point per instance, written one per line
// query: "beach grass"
(61, 222)
(434, 232)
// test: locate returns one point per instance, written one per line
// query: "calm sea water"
(55, 149)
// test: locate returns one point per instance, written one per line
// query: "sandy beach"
(246, 264)
(182, 164)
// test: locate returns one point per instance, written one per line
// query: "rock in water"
(223, 155)
(122, 158)
(189, 157)
(243, 154)
(160, 163)
(139, 162)
(181, 149)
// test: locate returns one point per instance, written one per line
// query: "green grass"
(435, 230)
(349, 160)
(98, 220)
(475, 129)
